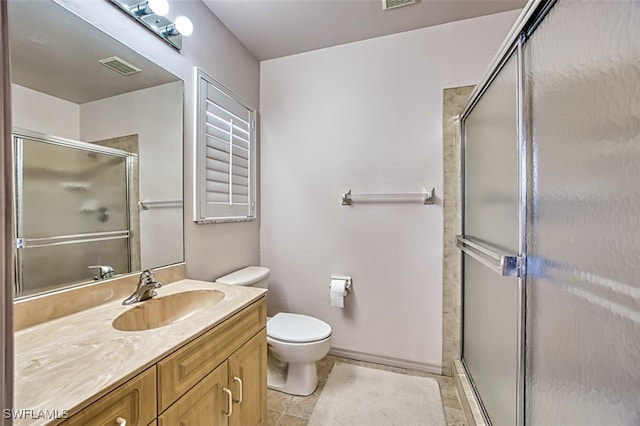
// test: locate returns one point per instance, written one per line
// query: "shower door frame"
(6, 263)
(533, 13)
(18, 135)
(522, 221)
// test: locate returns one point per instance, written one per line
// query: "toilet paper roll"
(338, 292)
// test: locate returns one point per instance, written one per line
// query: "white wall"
(155, 115)
(365, 116)
(210, 250)
(37, 111)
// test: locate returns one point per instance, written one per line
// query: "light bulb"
(184, 25)
(159, 7)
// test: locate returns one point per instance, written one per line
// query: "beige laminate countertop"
(68, 363)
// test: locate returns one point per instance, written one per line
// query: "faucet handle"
(147, 277)
(147, 273)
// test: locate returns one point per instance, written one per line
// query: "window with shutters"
(225, 145)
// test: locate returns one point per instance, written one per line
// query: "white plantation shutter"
(224, 155)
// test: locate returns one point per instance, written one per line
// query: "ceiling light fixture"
(151, 7)
(152, 14)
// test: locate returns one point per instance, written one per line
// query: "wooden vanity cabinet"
(204, 404)
(234, 394)
(134, 402)
(181, 370)
(195, 384)
(249, 365)
(236, 352)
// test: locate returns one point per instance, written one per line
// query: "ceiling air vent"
(119, 65)
(392, 4)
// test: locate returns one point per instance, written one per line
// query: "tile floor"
(292, 410)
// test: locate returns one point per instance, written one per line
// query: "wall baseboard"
(386, 360)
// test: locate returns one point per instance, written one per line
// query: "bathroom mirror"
(98, 151)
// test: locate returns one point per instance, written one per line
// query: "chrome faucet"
(146, 288)
(106, 271)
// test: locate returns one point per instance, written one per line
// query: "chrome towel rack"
(508, 266)
(146, 205)
(22, 243)
(426, 197)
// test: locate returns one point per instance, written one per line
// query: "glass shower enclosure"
(551, 243)
(72, 205)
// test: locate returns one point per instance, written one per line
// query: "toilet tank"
(254, 276)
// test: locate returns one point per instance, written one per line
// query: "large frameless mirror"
(97, 140)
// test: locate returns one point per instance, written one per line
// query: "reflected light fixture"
(152, 14)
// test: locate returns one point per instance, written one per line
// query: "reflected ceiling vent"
(392, 4)
(119, 65)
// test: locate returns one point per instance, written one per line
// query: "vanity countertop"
(69, 362)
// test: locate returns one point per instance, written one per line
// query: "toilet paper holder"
(347, 286)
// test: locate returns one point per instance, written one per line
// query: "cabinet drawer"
(134, 401)
(181, 370)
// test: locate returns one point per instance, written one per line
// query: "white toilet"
(296, 342)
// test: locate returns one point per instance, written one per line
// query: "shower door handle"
(507, 265)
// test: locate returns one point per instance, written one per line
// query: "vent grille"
(392, 4)
(119, 65)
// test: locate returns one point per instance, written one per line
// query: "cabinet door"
(134, 401)
(248, 381)
(204, 405)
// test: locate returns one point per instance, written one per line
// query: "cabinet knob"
(239, 380)
(229, 400)
(120, 421)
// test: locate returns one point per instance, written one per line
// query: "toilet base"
(293, 378)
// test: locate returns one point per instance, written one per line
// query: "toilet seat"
(296, 328)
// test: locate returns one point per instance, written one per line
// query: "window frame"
(200, 216)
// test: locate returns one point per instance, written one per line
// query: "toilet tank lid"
(247, 276)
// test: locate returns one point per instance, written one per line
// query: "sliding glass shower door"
(71, 212)
(583, 310)
(552, 200)
(491, 232)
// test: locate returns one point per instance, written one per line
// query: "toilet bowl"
(295, 342)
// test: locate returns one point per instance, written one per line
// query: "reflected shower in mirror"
(97, 152)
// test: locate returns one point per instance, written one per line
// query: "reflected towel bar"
(146, 205)
(59, 240)
(508, 266)
(426, 197)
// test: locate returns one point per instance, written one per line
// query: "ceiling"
(275, 28)
(55, 52)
